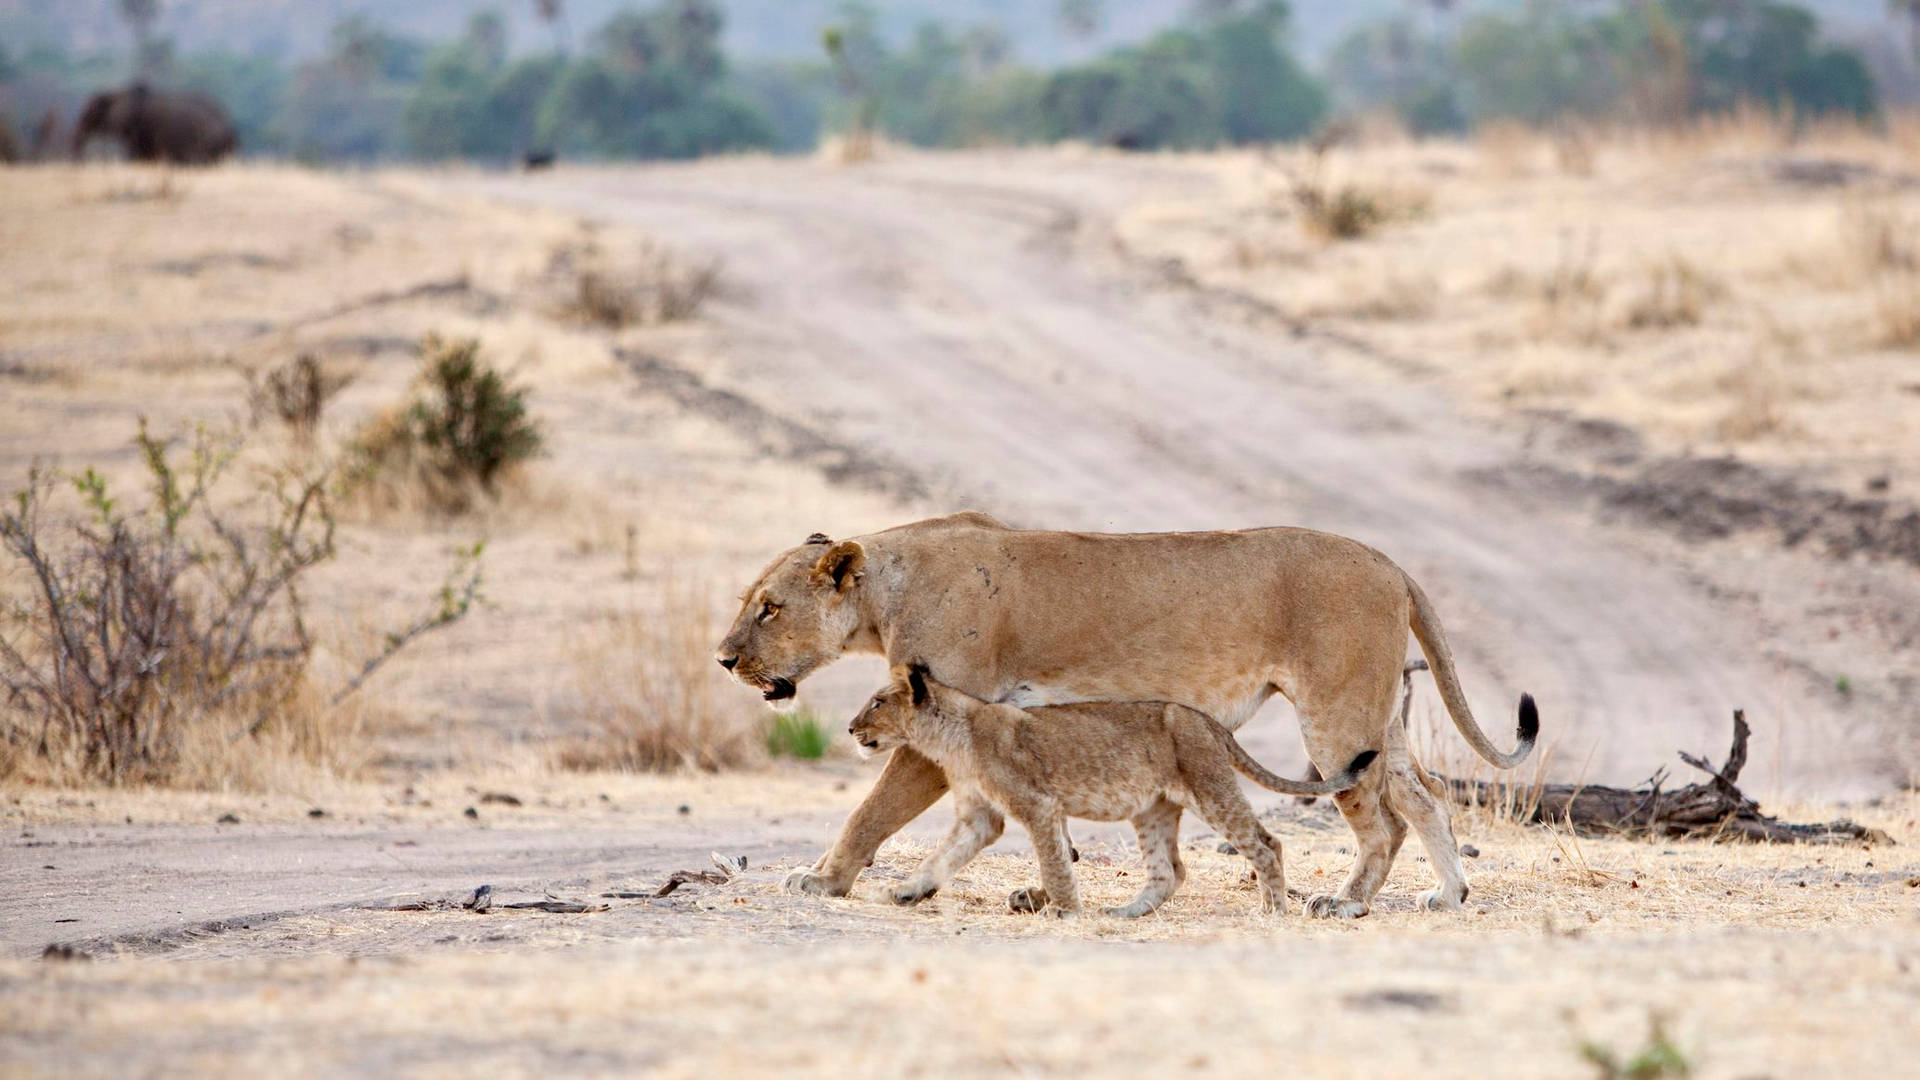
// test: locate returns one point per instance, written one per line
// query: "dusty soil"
(928, 332)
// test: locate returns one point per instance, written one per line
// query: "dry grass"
(1615, 275)
(648, 688)
(1896, 311)
(1674, 293)
(650, 287)
(1759, 960)
(112, 308)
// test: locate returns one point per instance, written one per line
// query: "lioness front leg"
(976, 824)
(906, 787)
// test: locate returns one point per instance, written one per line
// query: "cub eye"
(768, 609)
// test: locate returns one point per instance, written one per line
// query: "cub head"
(798, 616)
(886, 720)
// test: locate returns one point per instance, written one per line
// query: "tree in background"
(152, 56)
(1227, 76)
(652, 85)
(1082, 19)
(1909, 10)
(351, 103)
(1657, 62)
(554, 14)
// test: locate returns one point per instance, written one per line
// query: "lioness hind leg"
(1430, 819)
(1376, 834)
(1158, 829)
(976, 824)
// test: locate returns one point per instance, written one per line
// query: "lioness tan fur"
(1216, 621)
(1141, 761)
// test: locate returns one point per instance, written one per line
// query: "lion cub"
(1143, 761)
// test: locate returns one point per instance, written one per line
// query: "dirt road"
(989, 339)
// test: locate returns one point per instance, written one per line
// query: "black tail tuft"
(1360, 762)
(1529, 719)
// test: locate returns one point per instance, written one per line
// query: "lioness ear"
(917, 682)
(817, 538)
(842, 564)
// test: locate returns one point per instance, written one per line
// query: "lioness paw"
(1132, 909)
(1440, 900)
(1053, 912)
(1028, 900)
(1332, 907)
(812, 883)
(913, 892)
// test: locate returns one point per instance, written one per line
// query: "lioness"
(1216, 621)
(1143, 761)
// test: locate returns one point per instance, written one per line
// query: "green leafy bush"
(466, 428)
(798, 734)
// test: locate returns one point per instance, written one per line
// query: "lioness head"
(797, 617)
(886, 720)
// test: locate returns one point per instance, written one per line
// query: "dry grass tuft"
(649, 689)
(1896, 312)
(1384, 296)
(654, 286)
(295, 393)
(1676, 293)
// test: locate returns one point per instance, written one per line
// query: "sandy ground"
(996, 330)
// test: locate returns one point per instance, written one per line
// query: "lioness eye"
(768, 609)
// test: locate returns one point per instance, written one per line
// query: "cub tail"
(1259, 774)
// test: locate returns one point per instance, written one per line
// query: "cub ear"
(917, 682)
(842, 564)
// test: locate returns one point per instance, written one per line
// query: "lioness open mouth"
(781, 690)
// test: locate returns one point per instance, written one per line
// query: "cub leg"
(1158, 828)
(1051, 851)
(1228, 812)
(909, 784)
(976, 824)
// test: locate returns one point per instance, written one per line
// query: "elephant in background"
(157, 125)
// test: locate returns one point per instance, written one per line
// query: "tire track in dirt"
(970, 316)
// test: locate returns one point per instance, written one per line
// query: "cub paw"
(1027, 901)
(812, 883)
(913, 892)
(1332, 907)
(1441, 900)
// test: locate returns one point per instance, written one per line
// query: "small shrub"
(1658, 1059)
(465, 429)
(164, 630)
(657, 287)
(1346, 210)
(798, 734)
(1677, 293)
(654, 701)
(1880, 237)
(1896, 311)
(296, 393)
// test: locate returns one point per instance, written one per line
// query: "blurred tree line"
(655, 82)
(1650, 63)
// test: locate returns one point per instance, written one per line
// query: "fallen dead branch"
(727, 867)
(1714, 810)
(481, 902)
